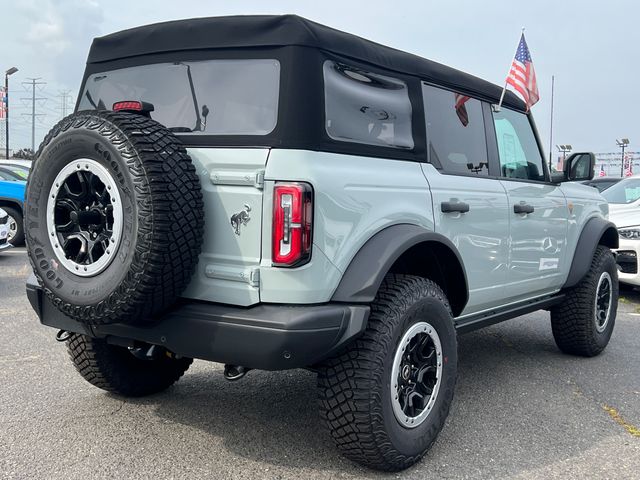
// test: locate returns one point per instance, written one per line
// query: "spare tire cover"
(114, 217)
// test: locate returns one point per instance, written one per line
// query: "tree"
(25, 154)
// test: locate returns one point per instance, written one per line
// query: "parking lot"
(522, 410)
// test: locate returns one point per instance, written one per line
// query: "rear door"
(232, 181)
(538, 211)
(470, 207)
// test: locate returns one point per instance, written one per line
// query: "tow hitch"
(235, 372)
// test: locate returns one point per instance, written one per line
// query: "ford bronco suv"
(270, 193)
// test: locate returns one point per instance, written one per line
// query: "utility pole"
(64, 96)
(33, 82)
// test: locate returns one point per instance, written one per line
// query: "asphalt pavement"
(522, 410)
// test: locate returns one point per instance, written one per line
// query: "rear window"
(214, 97)
(366, 107)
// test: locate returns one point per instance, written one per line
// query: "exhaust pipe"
(235, 372)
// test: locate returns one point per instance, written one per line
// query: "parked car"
(16, 161)
(624, 211)
(267, 192)
(4, 231)
(12, 194)
(602, 183)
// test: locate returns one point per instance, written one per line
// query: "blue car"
(12, 201)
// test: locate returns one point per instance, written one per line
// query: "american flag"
(629, 171)
(3, 104)
(461, 110)
(522, 76)
(602, 172)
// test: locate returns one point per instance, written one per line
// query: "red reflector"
(292, 224)
(128, 105)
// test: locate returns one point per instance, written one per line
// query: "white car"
(4, 231)
(624, 211)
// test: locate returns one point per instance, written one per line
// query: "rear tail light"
(292, 224)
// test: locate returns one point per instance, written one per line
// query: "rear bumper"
(268, 337)
(5, 246)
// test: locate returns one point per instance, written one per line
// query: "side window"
(455, 132)
(517, 147)
(365, 107)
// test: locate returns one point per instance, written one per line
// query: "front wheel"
(583, 323)
(386, 397)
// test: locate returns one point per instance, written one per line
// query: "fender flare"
(362, 278)
(12, 201)
(597, 231)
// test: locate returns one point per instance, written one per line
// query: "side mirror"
(578, 167)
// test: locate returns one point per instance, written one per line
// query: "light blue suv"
(267, 192)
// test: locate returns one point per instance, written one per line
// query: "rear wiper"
(194, 98)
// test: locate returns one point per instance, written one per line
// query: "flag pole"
(504, 89)
(553, 77)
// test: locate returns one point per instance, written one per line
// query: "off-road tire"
(18, 237)
(354, 386)
(574, 320)
(162, 209)
(116, 370)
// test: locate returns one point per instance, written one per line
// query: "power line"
(33, 82)
(64, 96)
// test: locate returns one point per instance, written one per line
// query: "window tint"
(517, 147)
(365, 107)
(455, 132)
(214, 97)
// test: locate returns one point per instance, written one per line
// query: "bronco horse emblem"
(240, 218)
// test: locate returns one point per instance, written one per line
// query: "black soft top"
(280, 31)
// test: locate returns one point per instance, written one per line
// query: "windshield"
(214, 97)
(625, 191)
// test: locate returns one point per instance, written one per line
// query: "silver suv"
(270, 193)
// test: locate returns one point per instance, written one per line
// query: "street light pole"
(11, 71)
(564, 149)
(622, 144)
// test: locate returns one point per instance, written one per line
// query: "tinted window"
(625, 191)
(519, 153)
(215, 97)
(455, 132)
(365, 107)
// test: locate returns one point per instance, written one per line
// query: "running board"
(491, 317)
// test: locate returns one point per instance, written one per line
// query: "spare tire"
(114, 217)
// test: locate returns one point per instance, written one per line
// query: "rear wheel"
(386, 397)
(16, 227)
(583, 323)
(129, 372)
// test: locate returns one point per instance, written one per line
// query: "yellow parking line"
(615, 415)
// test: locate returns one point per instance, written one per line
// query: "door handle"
(449, 207)
(523, 208)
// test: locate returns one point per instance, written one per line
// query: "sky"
(591, 47)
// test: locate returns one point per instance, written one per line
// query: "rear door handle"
(523, 208)
(449, 207)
